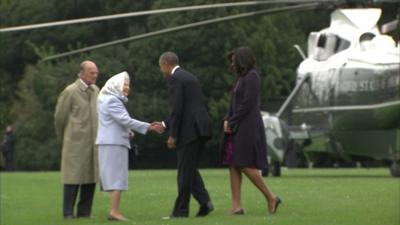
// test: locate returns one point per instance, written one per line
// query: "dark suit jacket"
(244, 117)
(189, 119)
(8, 142)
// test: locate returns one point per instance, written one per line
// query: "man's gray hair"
(170, 58)
(82, 66)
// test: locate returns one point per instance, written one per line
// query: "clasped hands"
(156, 127)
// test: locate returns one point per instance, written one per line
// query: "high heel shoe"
(277, 202)
(115, 218)
(238, 212)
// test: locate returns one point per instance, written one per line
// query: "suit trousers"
(85, 199)
(9, 161)
(189, 178)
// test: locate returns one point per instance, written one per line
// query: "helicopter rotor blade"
(181, 9)
(186, 26)
(153, 12)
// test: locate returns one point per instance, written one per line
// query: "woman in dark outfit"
(244, 147)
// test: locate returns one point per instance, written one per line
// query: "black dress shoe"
(170, 217)
(238, 212)
(278, 201)
(205, 210)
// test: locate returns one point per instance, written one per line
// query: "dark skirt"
(251, 158)
(228, 151)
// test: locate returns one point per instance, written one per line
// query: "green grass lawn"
(317, 196)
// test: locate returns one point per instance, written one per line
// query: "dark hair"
(169, 57)
(243, 60)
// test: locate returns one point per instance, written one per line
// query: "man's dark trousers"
(85, 199)
(189, 178)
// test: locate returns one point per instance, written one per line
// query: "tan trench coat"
(75, 120)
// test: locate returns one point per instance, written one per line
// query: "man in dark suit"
(8, 148)
(189, 127)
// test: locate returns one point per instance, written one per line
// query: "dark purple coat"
(244, 116)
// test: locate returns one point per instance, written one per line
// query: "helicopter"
(346, 100)
(347, 94)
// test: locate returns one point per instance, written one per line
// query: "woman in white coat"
(115, 125)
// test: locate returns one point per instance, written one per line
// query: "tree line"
(30, 87)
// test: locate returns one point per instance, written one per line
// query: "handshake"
(157, 127)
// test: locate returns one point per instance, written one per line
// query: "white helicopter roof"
(350, 23)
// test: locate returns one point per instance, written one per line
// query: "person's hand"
(227, 128)
(156, 127)
(131, 135)
(171, 142)
(157, 123)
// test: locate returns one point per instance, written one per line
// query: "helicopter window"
(365, 40)
(341, 44)
(328, 45)
(366, 36)
(321, 41)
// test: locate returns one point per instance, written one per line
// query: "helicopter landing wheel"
(395, 169)
(276, 171)
(265, 172)
(274, 168)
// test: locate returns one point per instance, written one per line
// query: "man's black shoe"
(205, 210)
(172, 216)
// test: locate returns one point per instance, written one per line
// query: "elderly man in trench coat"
(76, 122)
